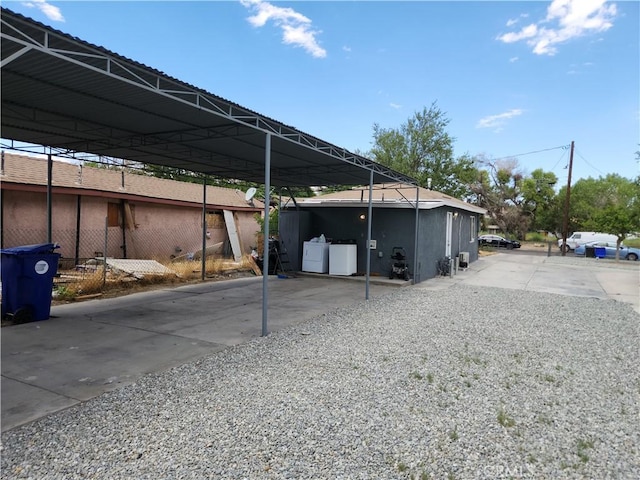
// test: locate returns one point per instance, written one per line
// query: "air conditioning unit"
(463, 259)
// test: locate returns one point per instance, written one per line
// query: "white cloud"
(395, 105)
(498, 120)
(346, 48)
(565, 20)
(296, 28)
(52, 12)
(512, 21)
(513, 59)
(529, 31)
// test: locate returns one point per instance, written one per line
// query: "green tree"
(170, 173)
(550, 217)
(183, 175)
(111, 163)
(589, 196)
(274, 218)
(608, 204)
(498, 188)
(539, 197)
(515, 202)
(423, 149)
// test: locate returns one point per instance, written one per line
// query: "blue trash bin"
(27, 281)
(600, 252)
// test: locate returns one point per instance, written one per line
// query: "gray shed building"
(446, 227)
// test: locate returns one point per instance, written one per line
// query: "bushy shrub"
(632, 242)
(535, 237)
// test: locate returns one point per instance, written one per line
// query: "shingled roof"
(31, 171)
(392, 196)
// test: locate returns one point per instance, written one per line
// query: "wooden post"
(565, 223)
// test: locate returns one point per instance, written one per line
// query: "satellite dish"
(250, 193)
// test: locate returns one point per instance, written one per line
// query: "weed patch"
(504, 419)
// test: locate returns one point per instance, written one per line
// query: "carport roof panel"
(62, 92)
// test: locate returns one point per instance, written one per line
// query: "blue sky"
(513, 77)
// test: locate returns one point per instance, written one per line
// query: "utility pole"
(565, 223)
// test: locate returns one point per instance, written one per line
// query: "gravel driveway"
(467, 382)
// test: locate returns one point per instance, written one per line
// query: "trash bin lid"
(30, 249)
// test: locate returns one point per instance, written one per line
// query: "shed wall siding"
(390, 228)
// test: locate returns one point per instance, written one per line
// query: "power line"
(564, 152)
(585, 161)
(563, 147)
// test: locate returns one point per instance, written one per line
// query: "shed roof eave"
(423, 204)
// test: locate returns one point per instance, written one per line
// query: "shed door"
(449, 232)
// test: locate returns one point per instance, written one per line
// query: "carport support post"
(204, 227)
(368, 250)
(49, 196)
(106, 245)
(78, 225)
(265, 251)
(415, 238)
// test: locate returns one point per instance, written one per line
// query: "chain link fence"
(94, 262)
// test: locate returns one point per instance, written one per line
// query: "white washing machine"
(315, 257)
(343, 259)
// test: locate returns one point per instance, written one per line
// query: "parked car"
(497, 241)
(581, 238)
(626, 253)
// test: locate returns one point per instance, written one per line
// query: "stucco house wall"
(167, 219)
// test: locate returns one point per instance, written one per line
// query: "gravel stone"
(464, 383)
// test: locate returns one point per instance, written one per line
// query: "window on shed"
(113, 214)
(473, 228)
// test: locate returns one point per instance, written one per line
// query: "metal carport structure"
(60, 91)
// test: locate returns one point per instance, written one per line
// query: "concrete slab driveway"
(88, 348)
(570, 275)
(92, 347)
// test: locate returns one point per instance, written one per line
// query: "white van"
(580, 238)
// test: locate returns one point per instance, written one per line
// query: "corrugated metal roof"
(19, 169)
(66, 93)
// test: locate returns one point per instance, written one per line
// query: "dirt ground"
(539, 246)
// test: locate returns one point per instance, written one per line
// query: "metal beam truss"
(20, 36)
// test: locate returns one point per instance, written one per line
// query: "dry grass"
(74, 285)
